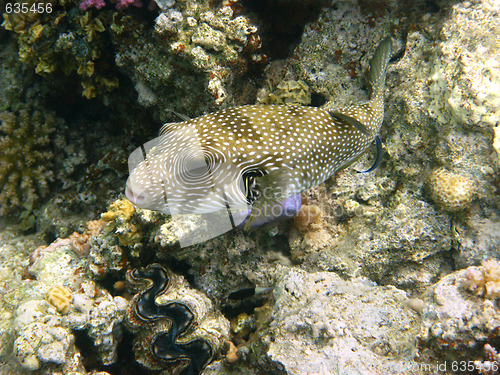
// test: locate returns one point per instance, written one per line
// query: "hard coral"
(485, 279)
(209, 46)
(60, 297)
(26, 158)
(288, 92)
(453, 192)
(491, 366)
(68, 41)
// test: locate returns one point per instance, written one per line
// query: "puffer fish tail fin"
(378, 68)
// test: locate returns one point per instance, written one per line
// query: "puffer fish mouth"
(134, 197)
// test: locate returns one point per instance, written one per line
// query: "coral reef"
(98, 4)
(26, 158)
(177, 327)
(459, 313)
(485, 279)
(210, 46)
(121, 237)
(49, 40)
(431, 207)
(13, 77)
(321, 317)
(41, 338)
(38, 334)
(474, 99)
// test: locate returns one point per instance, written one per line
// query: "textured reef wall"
(389, 272)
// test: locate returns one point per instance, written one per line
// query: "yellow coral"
(290, 92)
(453, 192)
(120, 212)
(60, 297)
(121, 208)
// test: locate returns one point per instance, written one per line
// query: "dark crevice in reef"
(317, 99)
(124, 365)
(281, 22)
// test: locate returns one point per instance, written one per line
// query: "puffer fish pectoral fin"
(351, 121)
(378, 67)
(276, 198)
(282, 210)
(378, 157)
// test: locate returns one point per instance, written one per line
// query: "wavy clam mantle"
(177, 328)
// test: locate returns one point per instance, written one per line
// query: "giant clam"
(177, 328)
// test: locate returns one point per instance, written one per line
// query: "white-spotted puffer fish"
(254, 161)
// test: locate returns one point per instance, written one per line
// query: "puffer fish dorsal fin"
(351, 121)
(378, 67)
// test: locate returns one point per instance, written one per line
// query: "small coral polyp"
(25, 158)
(177, 327)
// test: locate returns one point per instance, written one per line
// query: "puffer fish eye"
(250, 185)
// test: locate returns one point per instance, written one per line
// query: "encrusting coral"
(26, 157)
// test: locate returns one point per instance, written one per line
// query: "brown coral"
(309, 217)
(26, 159)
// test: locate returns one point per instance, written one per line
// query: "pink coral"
(86, 4)
(120, 4)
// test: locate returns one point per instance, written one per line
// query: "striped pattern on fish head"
(182, 175)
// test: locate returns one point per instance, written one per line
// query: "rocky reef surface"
(390, 272)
